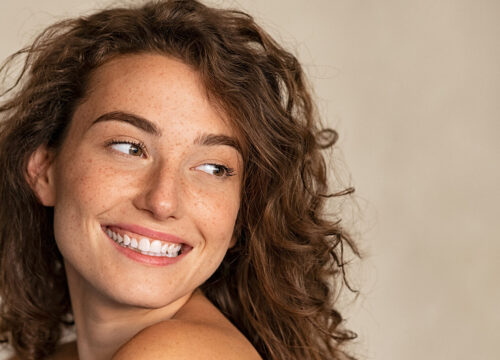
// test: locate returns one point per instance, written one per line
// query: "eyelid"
(136, 143)
(228, 170)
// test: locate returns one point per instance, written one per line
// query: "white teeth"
(144, 244)
(164, 249)
(155, 246)
(173, 250)
(170, 251)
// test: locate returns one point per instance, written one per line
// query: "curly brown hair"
(278, 284)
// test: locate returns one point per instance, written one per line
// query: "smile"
(142, 244)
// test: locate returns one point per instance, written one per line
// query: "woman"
(164, 190)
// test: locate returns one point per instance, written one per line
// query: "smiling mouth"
(144, 245)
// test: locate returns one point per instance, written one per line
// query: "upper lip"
(149, 233)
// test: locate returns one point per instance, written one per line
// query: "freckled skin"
(165, 190)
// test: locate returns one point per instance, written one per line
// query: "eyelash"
(137, 144)
(228, 172)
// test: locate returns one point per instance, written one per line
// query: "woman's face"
(148, 158)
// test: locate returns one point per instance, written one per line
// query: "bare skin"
(198, 331)
(146, 155)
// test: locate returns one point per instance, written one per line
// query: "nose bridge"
(162, 191)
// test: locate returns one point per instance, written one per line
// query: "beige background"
(413, 87)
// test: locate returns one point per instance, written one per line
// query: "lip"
(146, 259)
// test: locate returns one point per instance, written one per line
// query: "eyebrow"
(132, 119)
(151, 128)
(218, 139)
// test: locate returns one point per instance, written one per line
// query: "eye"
(128, 147)
(216, 170)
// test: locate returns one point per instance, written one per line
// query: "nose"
(159, 193)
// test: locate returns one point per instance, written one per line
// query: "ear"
(40, 175)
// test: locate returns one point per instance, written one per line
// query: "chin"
(143, 296)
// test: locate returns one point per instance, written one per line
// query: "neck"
(102, 324)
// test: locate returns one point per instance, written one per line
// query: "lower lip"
(146, 259)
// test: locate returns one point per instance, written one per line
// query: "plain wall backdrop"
(413, 88)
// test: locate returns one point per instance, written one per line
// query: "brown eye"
(128, 148)
(135, 150)
(216, 170)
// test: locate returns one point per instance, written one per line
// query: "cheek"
(216, 212)
(84, 189)
(90, 186)
(76, 179)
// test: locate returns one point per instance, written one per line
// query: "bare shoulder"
(198, 331)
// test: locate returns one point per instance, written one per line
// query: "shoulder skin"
(198, 331)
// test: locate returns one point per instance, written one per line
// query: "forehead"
(156, 87)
